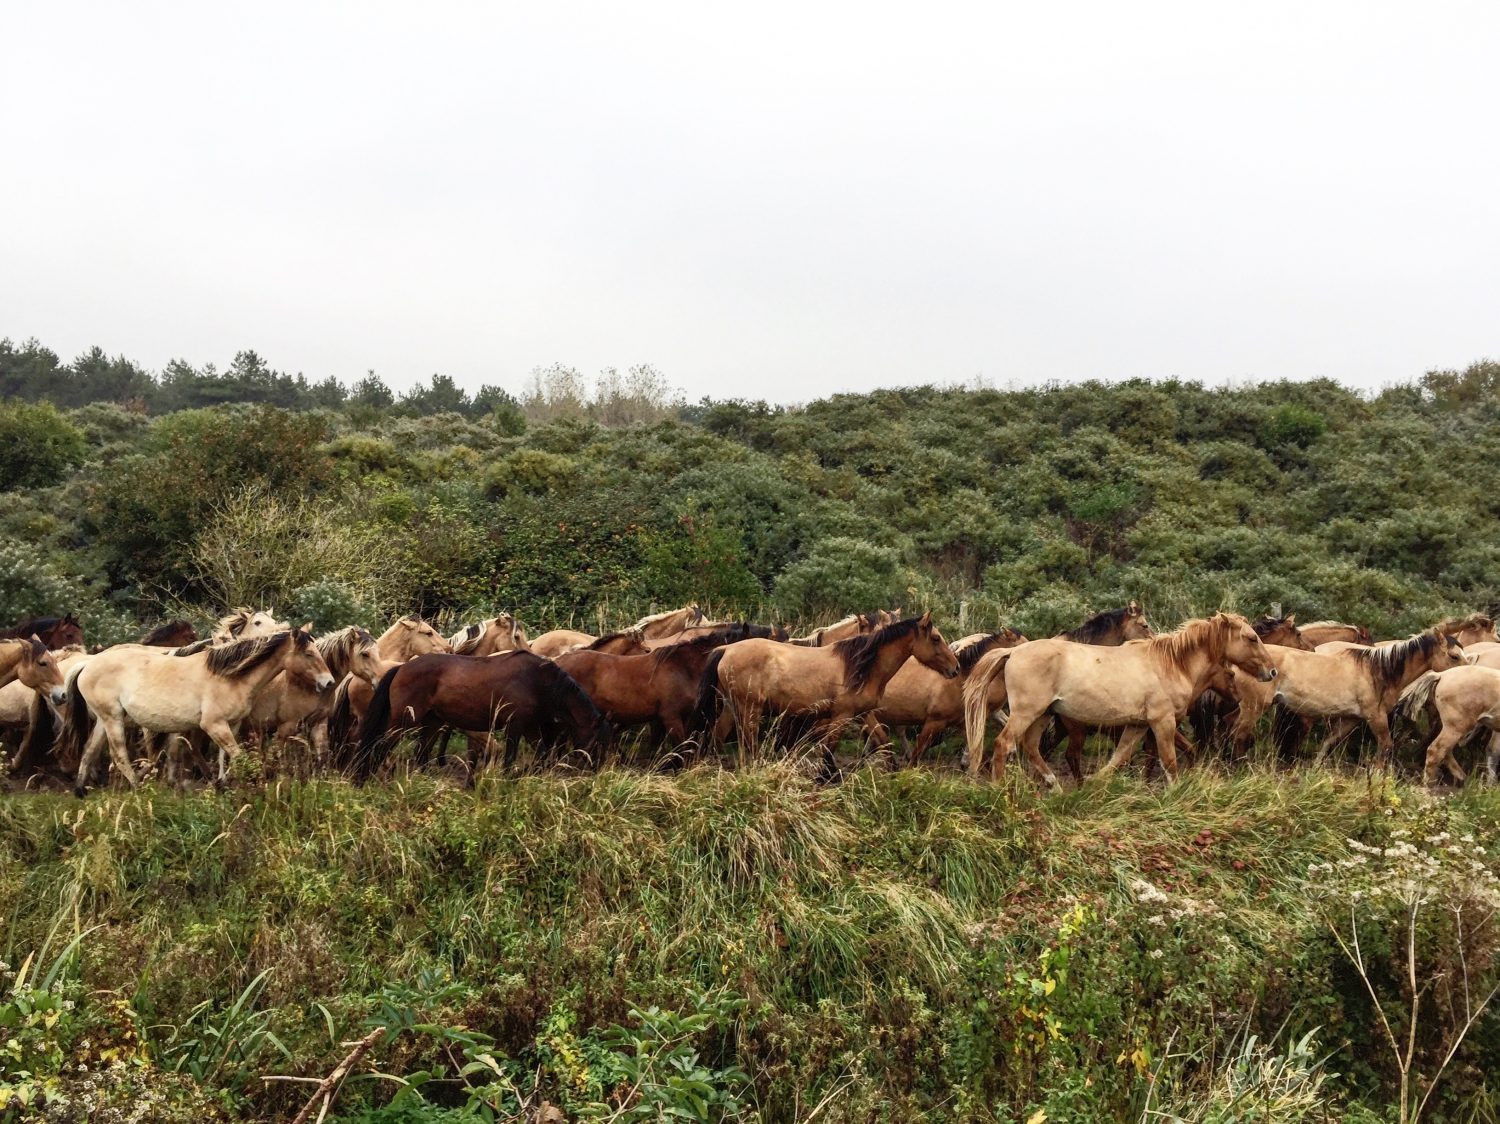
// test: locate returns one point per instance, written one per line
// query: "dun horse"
(293, 699)
(212, 690)
(1143, 686)
(497, 634)
(659, 625)
(834, 685)
(919, 696)
(1357, 684)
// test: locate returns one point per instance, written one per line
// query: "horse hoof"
(79, 791)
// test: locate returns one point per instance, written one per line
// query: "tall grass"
(887, 933)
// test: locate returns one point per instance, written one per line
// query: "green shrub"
(839, 575)
(37, 445)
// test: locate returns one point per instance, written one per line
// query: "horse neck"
(1198, 664)
(253, 680)
(1417, 663)
(11, 655)
(888, 661)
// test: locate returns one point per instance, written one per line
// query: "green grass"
(883, 932)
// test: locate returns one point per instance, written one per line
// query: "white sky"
(761, 200)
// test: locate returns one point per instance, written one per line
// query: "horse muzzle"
(950, 673)
(1268, 674)
(324, 682)
(58, 695)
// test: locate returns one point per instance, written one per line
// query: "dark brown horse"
(55, 632)
(170, 634)
(660, 687)
(522, 694)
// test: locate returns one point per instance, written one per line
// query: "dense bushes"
(1031, 505)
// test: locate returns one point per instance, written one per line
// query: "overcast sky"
(763, 200)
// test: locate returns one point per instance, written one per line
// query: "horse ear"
(38, 649)
(306, 629)
(1291, 618)
(926, 621)
(1133, 608)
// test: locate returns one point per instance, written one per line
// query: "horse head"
(930, 649)
(1243, 647)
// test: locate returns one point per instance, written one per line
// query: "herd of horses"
(342, 700)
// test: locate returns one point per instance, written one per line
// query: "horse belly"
(161, 712)
(1102, 706)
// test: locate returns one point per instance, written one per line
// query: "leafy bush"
(37, 445)
(840, 574)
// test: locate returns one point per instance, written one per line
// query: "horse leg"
(1165, 731)
(1492, 758)
(119, 751)
(1031, 742)
(931, 731)
(221, 733)
(1077, 734)
(1125, 749)
(1440, 753)
(1338, 730)
(98, 737)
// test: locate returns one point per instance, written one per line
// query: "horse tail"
(372, 730)
(1417, 697)
(977, 697)
(706, 709)
(75, 716)
(340, 723)
(566, 697)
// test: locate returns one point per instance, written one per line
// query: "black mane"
(861, 652)
(1097, 627)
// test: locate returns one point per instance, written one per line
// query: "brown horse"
(833, 685)
(1322, 632)
(294, 700)
(211, 690)
(170, 634)
(406, 639)
(55, 632)
(1143, 685)
(34, 664)
(919, 696)
(1476, 629)
(659, 688)
(1458, 702)
(518, 692)
(1357, 684)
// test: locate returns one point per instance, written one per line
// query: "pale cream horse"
(1458, 701)
(655, 627)
(497, 634)
(245, 624)
(1348, 686)
(1143, 685)
(212, 690)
